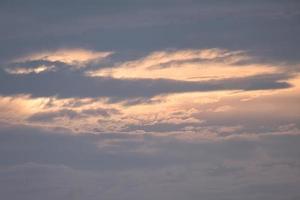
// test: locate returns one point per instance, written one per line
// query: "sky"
(149, 99)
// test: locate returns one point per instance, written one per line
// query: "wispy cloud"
(75, 57)
(149, 99)
(24, 70)
(188, 65)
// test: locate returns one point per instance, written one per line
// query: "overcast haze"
(149, 99)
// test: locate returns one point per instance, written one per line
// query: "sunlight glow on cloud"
(183, 111)
(176, 114)
(24, 70)
(149, 99)
(188, 65)
(77, 57)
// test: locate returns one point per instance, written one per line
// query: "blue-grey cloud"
(268, 29)
(57, 164)
(74, 84)
(259, 160)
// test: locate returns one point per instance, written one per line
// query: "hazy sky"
(149, 99)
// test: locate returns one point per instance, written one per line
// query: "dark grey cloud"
(74, 84)
(268, 29)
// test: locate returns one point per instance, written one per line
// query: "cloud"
(73, 84)
(149, 99)
(159, 73)
(142, 27)
(100, 112)
(69, 114)
(188, 65)
(50, 116)
(61, 164)
(214, 112)
(76, 57)
(24, 70)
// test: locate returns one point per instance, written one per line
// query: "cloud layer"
(149, 100)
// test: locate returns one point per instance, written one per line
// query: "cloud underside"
(88, 91)
(118, 166)
(158, 99)
(59, 73)
(143, 116)
(74, 85)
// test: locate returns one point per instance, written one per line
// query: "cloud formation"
(24, 70)
(188, 65)
(149, 99)
(79, 166)
(75, 57)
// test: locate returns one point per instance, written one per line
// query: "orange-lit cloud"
(186, 113)
(24, 70)
(77, 57)
(188, 65)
